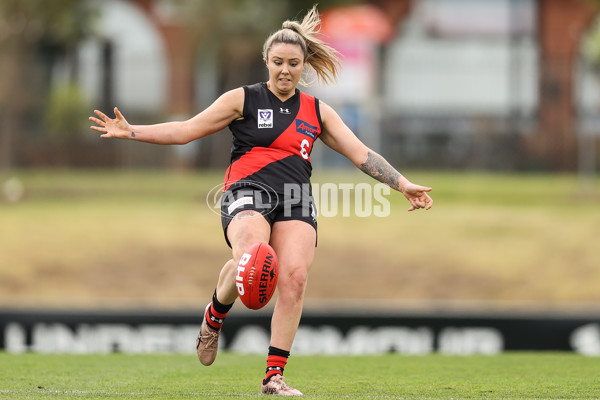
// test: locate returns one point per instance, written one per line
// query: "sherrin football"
(256, 276)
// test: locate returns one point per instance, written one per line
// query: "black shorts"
(296, 205)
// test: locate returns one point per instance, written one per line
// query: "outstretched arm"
(341, 139)
(216, 117)
(377, 167)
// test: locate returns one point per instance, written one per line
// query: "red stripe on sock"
(209, 322)
(275, 361)
(212, 323)
(215, 313)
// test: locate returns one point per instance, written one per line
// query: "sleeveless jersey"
(273, 141)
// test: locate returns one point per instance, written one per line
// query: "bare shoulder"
(228, 107)
(235, 97)
(327, 112)
(236, 93)
(332, 123)
(232, 102)
(339, 137)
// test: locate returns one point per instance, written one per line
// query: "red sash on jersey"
(296, 140)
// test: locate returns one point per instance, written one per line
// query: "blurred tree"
(32, 30)
(588, 144)
(591, 42)
(66, 112)
(239, 28)
(233, 32)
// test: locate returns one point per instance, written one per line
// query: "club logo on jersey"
(306, 129)
(265, 118)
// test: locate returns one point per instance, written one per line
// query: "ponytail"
(320, 57)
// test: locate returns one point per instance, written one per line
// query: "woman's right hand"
(112, 128)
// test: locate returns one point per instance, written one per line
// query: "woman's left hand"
(417, 195)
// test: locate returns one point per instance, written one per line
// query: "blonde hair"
(320, 57)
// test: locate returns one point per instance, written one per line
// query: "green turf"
(116, 376)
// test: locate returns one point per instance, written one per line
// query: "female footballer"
(274, 127)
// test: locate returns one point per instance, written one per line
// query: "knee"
(293, 285)
(243, 240)
(242, 246)
(230, 267)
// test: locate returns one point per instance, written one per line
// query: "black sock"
(220, 308)
(216, 313)
(274, 351)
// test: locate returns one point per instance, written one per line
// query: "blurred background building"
(479, 84)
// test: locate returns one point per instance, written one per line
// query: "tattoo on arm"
(132, 134)
(377, 167)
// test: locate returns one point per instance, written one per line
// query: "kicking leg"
(247, 228)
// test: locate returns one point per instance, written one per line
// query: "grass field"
(506, 376)
(147, 238)
(102, 239)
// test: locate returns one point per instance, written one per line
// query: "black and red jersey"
(273, 141)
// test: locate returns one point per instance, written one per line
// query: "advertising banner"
(82, 332)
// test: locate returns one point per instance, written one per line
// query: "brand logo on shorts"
(265, 118)
(247, 194)
(240, 203)
(306, 129)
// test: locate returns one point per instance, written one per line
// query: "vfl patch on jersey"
(306, 129)
(265, 118)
